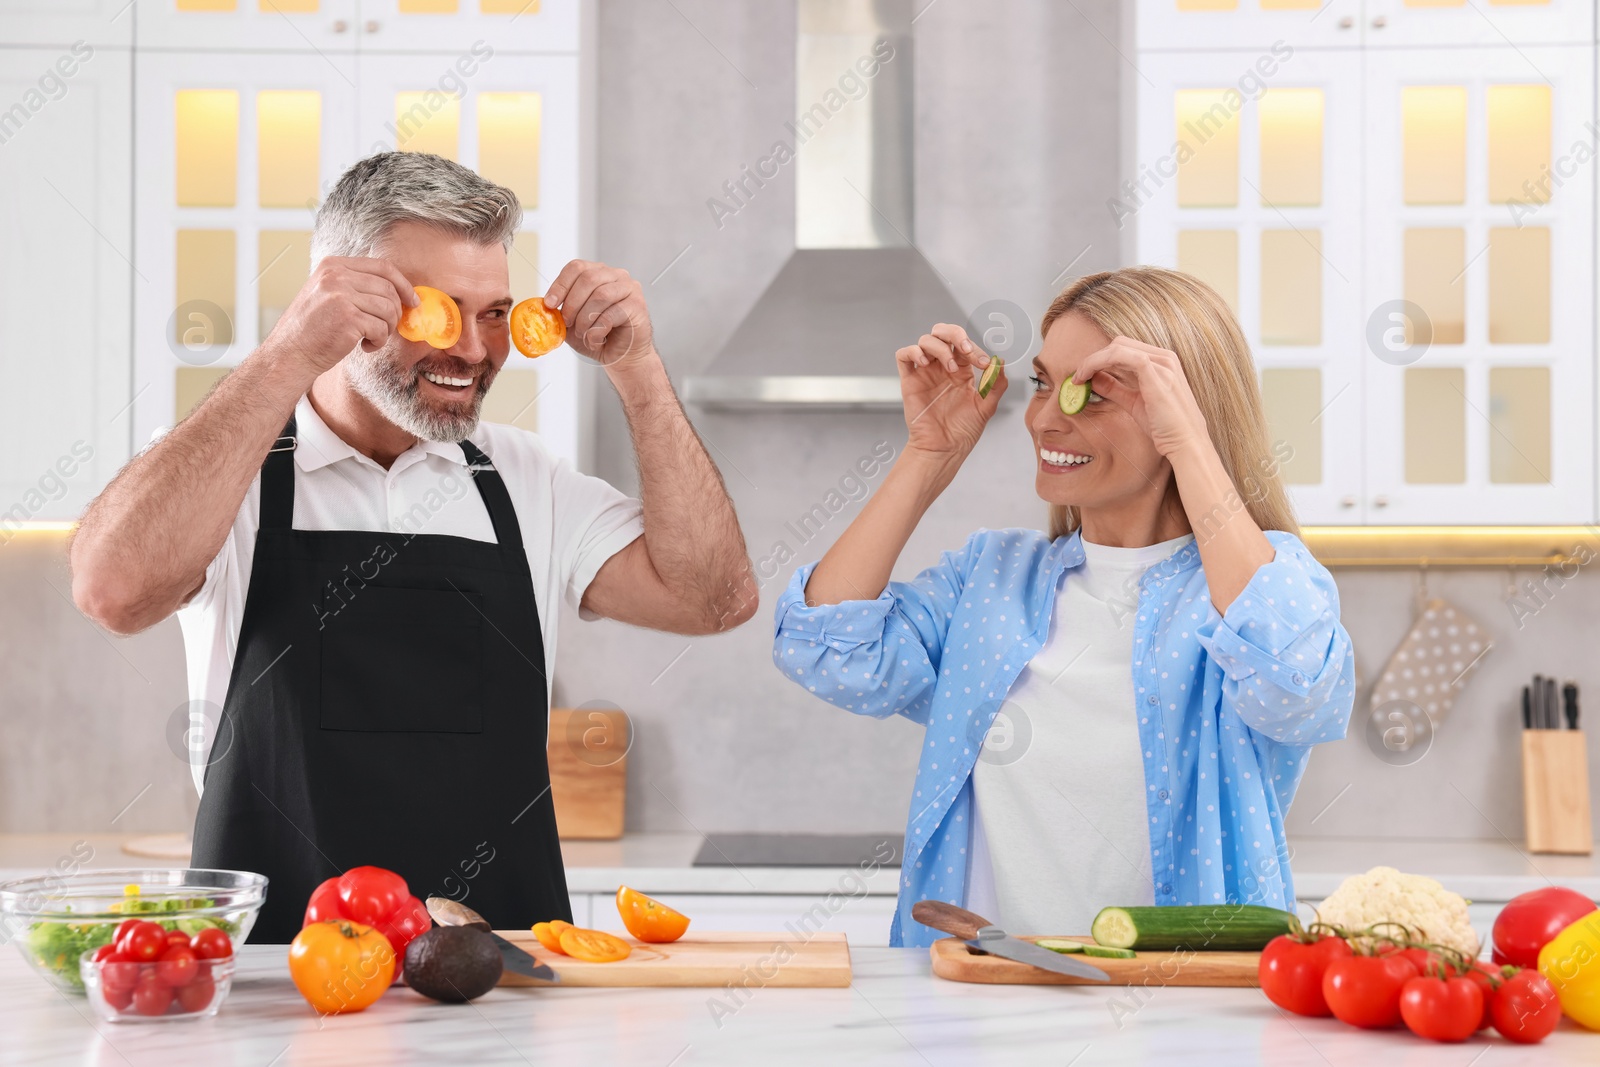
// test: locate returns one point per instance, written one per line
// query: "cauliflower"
(1384, 894)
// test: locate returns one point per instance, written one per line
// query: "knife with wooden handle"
(979, 933)
(447, 912)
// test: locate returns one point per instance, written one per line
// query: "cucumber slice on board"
(1074, 395)
(1056, 944)
(990, 375)
(1106, 953)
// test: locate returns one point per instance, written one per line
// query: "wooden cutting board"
(711, 960)
(952, 959)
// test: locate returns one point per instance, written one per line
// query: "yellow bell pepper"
(1572, 964)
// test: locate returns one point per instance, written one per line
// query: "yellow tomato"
(341, 966)
(549, 934)
(647, 919)
(535, 328)
(1572, 964)
(593, 946)
(436, 319)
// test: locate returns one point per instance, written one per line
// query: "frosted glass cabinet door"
(60, 23)
(1408, 23)
(1480, 408)
(456, 25)
(235, 152)
(1254, 194)
(64, 279)
(313, 26)
(1195, 25)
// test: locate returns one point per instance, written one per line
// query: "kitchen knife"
(1538, 702)
(1527, 708)
(1550, 707)
(1570, 693)
(447, 912)
(984, 936)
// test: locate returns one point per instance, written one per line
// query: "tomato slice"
(536, 329)
(436, 319)
(647, 919)
(593, 946)
(549, 934)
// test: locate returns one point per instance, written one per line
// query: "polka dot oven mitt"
(1433, 661)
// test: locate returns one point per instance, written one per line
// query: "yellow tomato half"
(647, 919)
(341, 966)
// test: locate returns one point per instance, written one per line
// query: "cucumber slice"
(1200, 927)
(990, 375)
(1074, 395)
(1055, 944)
(1106, 953)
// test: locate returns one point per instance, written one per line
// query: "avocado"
(454, 964)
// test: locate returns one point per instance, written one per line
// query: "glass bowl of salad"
(54, 919)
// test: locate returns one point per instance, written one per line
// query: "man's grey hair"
(390, 187)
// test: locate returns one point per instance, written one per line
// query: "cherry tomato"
(1525, 1008)
(177, 966)
(341, 966)
(437, 320)
(1484, 975)
(120, 935)
(369, 895)
(1291, 972)
(145, 941)
(536, 328)
(647, 919)
(196, 996)
(1441, 1009)
(102, 952)
(118, 997)
(549, 934)
(1532, 920)
(119, 971)
(150, 996)
(177, 937)
(212, 944)
(1364, 991)
(593, 946)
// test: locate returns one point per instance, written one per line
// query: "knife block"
(1555, 791)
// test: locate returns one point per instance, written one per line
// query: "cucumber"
(1106, 953)
(990, 375)
(1074, 395)
(1055, 944)
(1200, 927)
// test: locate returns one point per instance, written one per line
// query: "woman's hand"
(1148, 383)
(944, 414)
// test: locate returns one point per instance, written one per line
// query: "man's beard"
(396, 392)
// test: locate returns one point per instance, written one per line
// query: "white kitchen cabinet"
(60, 23)
(456, 25)
(1409, 24)
(328, 27)
(1253, 193)
(1493, 420)
(67, 238)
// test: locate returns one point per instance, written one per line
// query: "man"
(369, 581)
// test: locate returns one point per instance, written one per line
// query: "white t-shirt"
(1061, 827)
(571, 524)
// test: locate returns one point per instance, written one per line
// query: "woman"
(1165, 655)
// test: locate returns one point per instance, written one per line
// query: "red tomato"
(120, 998)
(177, 966)
(102, 952)
(119, 971)
(177, 937)
(370, 895)
(1365, 990)
(1441, 1009)
(1525, 1008)
(145, 941)
(1291, 972)
(1484, 975)
(212, 944)
(150, 996)
(196, 996)
(324, 905)
(409, 920)
(1532, 920)
(120, 935)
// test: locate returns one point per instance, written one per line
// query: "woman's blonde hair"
(1182, 314)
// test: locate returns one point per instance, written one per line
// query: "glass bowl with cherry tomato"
(148, 972)
(55, 918)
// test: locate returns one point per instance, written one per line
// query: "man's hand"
(346, 301)
(605, 313)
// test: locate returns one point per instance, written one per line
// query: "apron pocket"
(404, 661)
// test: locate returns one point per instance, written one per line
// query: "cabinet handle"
(340, 25)
(1380, 501)
(372, 26)
(1347, 502)
(1379, 22)
(1347, 22)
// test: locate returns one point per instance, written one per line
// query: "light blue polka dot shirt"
(1228, 705)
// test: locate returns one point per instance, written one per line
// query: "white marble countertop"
(1486, 871)
(895, 1013)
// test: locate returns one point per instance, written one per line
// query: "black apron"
(387, 707)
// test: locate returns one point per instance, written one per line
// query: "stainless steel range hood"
(823, 335)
